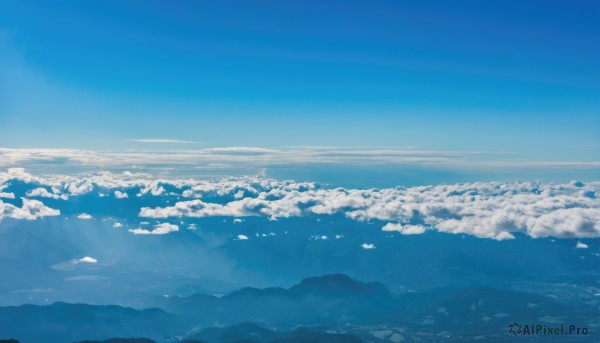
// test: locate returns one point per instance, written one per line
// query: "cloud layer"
(257, 157)
(485, 209)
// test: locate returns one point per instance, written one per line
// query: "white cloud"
(404, 229)
(84, 216)
(87, 259)
(581, 245)
(117, 225)
(367, 246)
(30, 210)
(121, 195)
(44, 193)
(242, 237)
(159, 229)
(7, 195)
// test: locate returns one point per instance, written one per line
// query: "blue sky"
(510, 78)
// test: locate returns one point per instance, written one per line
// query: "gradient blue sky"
(517, 77)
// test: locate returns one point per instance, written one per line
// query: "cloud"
(487, 210)
(117, 225)
(242, 237)
(121, 195)
(404, 229)
(494, 210)
(7, 195)
(84, 216)
(44, 193)
(241, 150)
(30, 210)
(87, 259)
(581, 245)
(161, 140)
(258, 158)
(367, 246)
(159, 229)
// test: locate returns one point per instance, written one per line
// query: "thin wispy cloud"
(256, 157)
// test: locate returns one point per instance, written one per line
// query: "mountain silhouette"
(62, 322)
(315, 300)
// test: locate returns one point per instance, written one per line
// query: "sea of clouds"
(483, 209)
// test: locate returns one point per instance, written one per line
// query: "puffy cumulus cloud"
(580, 245)
(85, 216)
(87, 259)
(242, 237)
(368, 246)
(30, 210)
(404, 229)
(241, 187)
(44, 193)
(159, 229)
(18, 174)
(117, 225)
(121, 195)
(63, 186)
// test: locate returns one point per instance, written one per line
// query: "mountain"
(340, 285)
(61, 322)
(342, 303)
(334, 298)
(328, 308)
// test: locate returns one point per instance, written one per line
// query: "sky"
(136, 136)
(508, 81)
